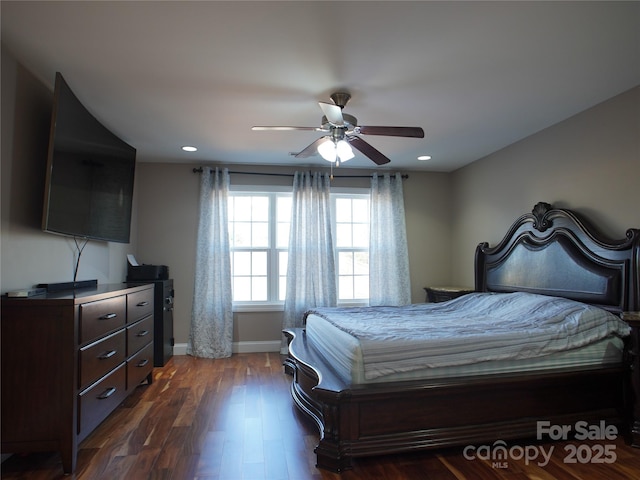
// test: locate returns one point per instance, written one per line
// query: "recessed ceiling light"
(188, 148)
(424, 157)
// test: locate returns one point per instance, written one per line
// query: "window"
(351, 237)
(259, 237)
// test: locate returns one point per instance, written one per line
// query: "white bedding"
(480, 328)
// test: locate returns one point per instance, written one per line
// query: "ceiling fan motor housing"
(349, 122)
(340, 98)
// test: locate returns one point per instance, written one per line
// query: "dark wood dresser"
(68, 360)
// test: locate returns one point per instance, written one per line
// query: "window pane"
(242, 208)
(360, 235)
(345, 263)
(343, 210)
(343, 235)
(241, 234)
(361, 263)
(260, 235)
(259, 288)
(345, 287)
(361, 287)
(260, 209)
(241, 263)
(283, 209)
(360, 210)
(282, 235)
(259, 263)
(241, 289)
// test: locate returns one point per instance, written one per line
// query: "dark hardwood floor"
(234, 419)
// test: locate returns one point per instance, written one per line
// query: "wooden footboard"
(369, 420)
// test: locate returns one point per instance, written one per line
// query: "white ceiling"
(477, 76)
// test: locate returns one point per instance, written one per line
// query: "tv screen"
(90, 173)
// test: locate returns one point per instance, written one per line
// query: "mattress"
(555, 334)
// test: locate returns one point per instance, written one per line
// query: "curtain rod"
(200, 170)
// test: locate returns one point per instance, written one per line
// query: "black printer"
(137, 273)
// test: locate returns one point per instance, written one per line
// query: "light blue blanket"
(473, 328)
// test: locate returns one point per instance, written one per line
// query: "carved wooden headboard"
(554, 251)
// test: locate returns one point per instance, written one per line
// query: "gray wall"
(589, 162)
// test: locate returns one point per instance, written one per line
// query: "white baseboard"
(180, 349)
(238, 347)
(256, 347)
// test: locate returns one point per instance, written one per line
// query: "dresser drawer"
(98, 401)
(139, 366)
(139, 334)
(101, 317)
(139, 305)
(97, 359)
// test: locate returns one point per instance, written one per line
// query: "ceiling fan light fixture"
(327, 150)
(339, 151)
(343, 150)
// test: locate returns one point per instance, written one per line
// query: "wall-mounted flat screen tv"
(90, 174)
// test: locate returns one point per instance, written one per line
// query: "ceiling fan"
(342, 134)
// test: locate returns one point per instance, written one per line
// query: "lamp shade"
(327, 150)
(331, 151)
(344, 151)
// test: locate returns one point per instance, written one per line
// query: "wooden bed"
(549, 251)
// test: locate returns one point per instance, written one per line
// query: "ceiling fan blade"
(416, 132)
(368, 150)
(311, 149)
(286, 128)
(333, 113)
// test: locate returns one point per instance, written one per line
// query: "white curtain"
(212, 317)
(389, 282)
(311, 274)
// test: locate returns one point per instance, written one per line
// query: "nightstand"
(442, 294)
(633, 319)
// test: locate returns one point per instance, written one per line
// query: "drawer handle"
(142, 304)
(108, 316)
(142, 333)
(108, 354)
(107, 393)
(142, 363)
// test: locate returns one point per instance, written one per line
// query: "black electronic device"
(90, 174)
(62, 286)
(137, 273)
